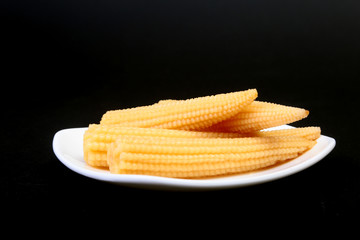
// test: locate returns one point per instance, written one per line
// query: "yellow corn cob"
(190, 114)
(200, 157)
(98, 137)
(166, 145)
(260, 115)
(311, 133)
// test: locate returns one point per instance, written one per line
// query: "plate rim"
(157, 182)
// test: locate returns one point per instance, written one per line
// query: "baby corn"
(199, 137)
(97, 138)
(260, 115)
(190, 114)
(200, 157)
(311, 133)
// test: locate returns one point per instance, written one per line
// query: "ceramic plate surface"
(68, 147)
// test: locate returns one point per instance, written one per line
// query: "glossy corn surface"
(311, 133)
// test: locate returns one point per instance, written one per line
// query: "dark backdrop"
(67, 62)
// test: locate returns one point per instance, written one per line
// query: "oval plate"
(68, 147)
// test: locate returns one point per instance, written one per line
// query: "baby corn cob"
(98, 137)
(260, 115)
(200, 157)
(190, 114)
(311, 133)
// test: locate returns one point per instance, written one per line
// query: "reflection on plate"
(68, 147)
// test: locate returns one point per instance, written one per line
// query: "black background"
(67, 62)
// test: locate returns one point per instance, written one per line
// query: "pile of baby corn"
(200, 137)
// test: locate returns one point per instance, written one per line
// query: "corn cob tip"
(260, 115)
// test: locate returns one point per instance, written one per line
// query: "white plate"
(68, 147)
